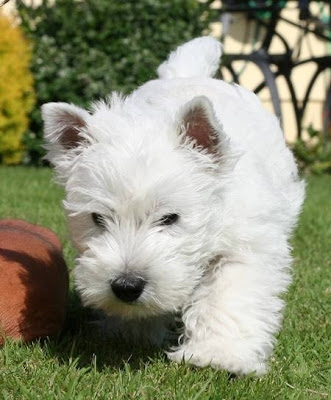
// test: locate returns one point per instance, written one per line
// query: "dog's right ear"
(64, 125)
(66, 134)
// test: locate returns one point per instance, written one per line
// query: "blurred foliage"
(314, 155)
(83, 50)
(16, 91)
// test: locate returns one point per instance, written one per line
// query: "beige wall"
(250, 76)
(9, 7)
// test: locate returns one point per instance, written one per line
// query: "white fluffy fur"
(223, 265)
(198, 58)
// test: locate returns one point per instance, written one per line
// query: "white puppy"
(181, 199)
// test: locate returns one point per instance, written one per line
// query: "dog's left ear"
(199, 122)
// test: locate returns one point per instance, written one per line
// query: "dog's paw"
(217, 358)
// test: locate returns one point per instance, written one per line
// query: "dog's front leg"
(233, 317)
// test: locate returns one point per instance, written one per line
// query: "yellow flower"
(16, 90)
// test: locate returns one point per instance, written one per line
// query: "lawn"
(83, 365)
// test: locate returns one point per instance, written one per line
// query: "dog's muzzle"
(128, 288)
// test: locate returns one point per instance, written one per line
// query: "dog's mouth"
(131, 310)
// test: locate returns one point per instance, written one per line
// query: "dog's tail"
(198, 58)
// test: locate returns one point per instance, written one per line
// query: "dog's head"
(143, 192)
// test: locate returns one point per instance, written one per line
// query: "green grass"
(82, 365)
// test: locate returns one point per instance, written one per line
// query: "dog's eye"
(168, 219)
(98, 219)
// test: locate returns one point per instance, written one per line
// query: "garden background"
(79, 51)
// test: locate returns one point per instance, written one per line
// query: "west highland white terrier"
(181, 198)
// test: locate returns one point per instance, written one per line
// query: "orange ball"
(33, 281)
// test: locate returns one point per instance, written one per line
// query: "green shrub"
(83, 50)
(314, 155)
(16, 91)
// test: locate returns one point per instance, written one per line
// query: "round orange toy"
(33, 281)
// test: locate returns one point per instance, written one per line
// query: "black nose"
(128, 288)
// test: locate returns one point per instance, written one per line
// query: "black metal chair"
(282, 64)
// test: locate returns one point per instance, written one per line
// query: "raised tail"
(197, 58)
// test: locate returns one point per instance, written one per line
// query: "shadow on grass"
(85, 345)
(84, 342)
